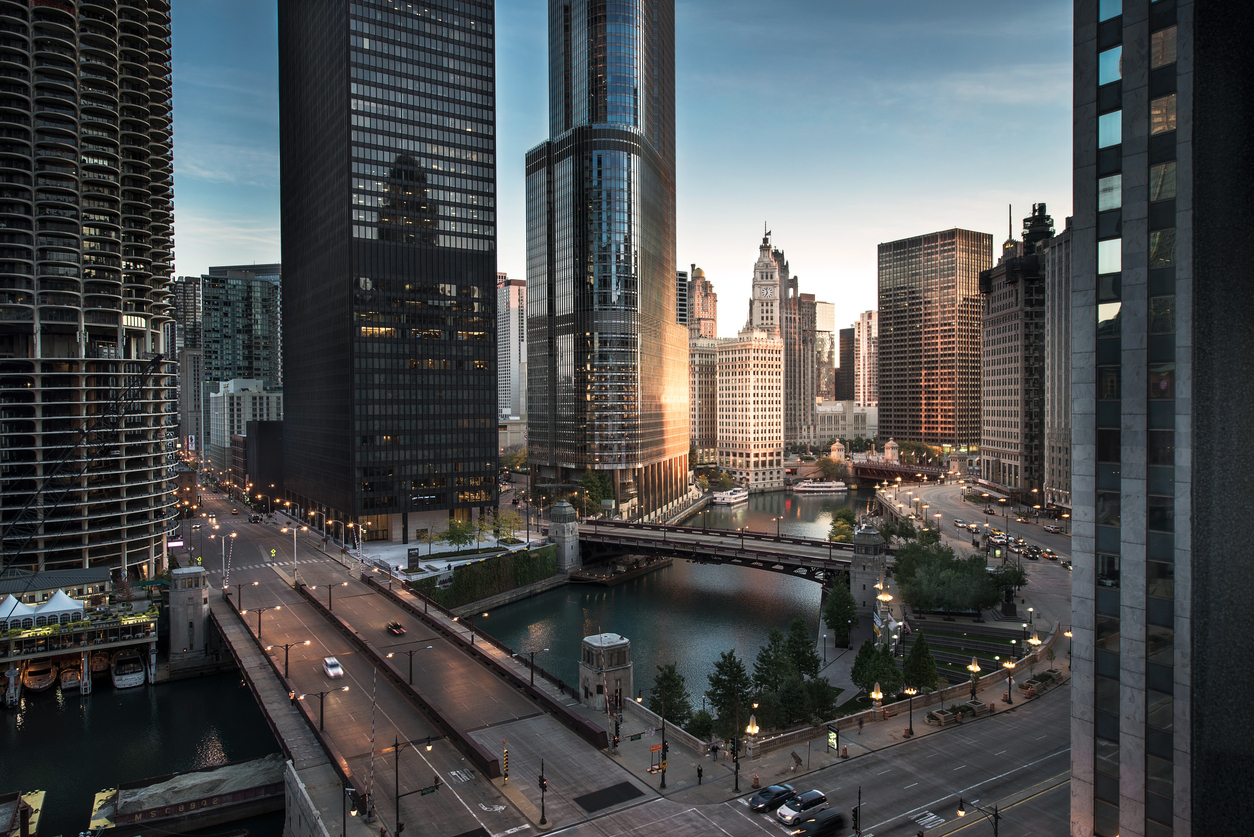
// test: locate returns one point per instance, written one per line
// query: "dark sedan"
(770, 798)
(396, 629)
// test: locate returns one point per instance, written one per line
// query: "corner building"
(607, 361)
(1163, 356)
(388, 156)
(87, 381)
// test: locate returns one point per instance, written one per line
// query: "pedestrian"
(699, 774)
(714, 750)
(861, 721)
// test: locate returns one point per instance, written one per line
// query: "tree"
(772, 665)
(701, 726)
(840, 613)
(841, 532)
(723, 481)
(596, 487)
(830, 469)
(508, 521)
(820, 699)
(886, 672)
(459, 533)
(670, 692)
(919, 670)
(703, 483)
(864, 664)
(484, 527)
(729, 684)
(792, 700)
(800, 649)
(429, 536)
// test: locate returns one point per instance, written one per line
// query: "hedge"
(483, 579)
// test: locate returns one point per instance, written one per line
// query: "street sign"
(426, 791)
(636, 737)
(656, 748)
(663, 765)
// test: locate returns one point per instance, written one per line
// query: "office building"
(845, 420)
(846, 371)
(683, 309)
(703, 319)
(231, 407)
(1161, 420)
(801, 374)
(511, 346)
(1056, 256)
(866, 359)
(825, 350)
(388, 152)
(608, 363)
(85, 265)
(703, 401)
(929, 337)
(272, 273)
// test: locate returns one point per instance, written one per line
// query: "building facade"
(846, 420)
(85, 273)
(846, 372)
(866, 359)
(929, 336)
(703, 320)
(388, 188)
(825, 350)
(231, 407)
(511, 346)
(1162, 411)
(1012, 384)
(1056, 255)
(272, 273)
(683, 292)
(703, 401)
(608, 362)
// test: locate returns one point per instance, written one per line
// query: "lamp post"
(665, 746)
(974, 668)
(330, 589)
(1067, 634)
(937, 515)
(286, 646)
(777, 520)
(1066, 524)
(736, 747)
(269, 503)
(1009, 666)
(261, 610)
(411, 652)
(824, 649)
(544, 786)
(239, 592)
(1005, 514)
(222, 539)
(533, 665)
(471, 617)
(293, 527)
(989, 815)
(322, 697)
(911, 691)
(344, 813)
(877, 696)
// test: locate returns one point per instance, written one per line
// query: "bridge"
(879, 470)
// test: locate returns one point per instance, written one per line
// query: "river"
(72, 747)
(686, 613)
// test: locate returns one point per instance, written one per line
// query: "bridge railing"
(816, 543)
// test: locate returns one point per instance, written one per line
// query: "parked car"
(331, 668)
(770, 798)
(800, 805)
(396, 629)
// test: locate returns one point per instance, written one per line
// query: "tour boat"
(128, 670)
(71, 676)
(815, 487)
(100, 661)
(731, 497)
(39, 675)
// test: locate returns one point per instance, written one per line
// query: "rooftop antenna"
(1010, 221)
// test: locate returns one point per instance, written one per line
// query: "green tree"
(429, 536)
(508, 522)
(702, 725)
(829, 468)
(772, 664)
(792, 700)
(459, 533)
(841, 532)
(886, 672)
(820, 699)
(669, 691)
(864, 667)
(840, 613)
(800, 648)
(920, 667)
(729, 685)
(484, 526)
(723, 481)
(596, 487)
(703, 483)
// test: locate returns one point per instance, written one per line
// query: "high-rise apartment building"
(703, 319)
(1056, 256)
(1012, 386)
(866, 359)
(929, 337)
(272, 273)
(388, 152)
(801, 372)
(85, 264)
(1162, 415)
(846, 371)
(608, 363)
(232, 405)
(703, 400)
(511, 346)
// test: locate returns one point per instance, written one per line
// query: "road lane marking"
(908, 787)
(998, 754)
(1039, 737)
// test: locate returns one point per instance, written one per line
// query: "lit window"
(1110, 256)
(1163, 114)
(1163, 47)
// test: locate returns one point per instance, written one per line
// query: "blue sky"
(839, 124)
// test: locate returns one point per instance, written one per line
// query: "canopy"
(11, 608)
(60, 604)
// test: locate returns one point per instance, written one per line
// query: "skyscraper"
(388, 156)
(1162, 416)
(929, 337)
(608, 365)
(511, 346)
(866, 359)
(1057, 254)
(86, 179)
(703, 320)
(683, 311)
(846, 371)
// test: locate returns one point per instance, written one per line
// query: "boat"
(816, 487)
(39, 675)
(127, 670)
(71, 677)
(731, 497)
(100, 662)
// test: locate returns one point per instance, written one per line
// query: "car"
(822, 824)
(989, 511)
(331, 668)
(195, 526)
(812, 801)
(974, 528)
(1022, 520)
(995, 531)
(254, 518)
(1049, 554)
(1031, 555)
(1066, 564)
(771, 797)
(960, 523)
(234, 511)
(396, 629)
(1057, 530)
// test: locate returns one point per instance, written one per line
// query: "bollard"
(844, 752)
(755, 781)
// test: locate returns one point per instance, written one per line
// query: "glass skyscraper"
(608, 364)
(388, 152)
(1163, 411)
(86, 192)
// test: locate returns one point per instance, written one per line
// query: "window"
(1110, 255)
(1162, 47)
(1106, 9)
(1110, 65)
(1110, 125)
(1162, 248)
(1110, 190)
(1162, 183)
(1162, 116)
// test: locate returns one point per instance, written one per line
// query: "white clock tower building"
(764, 306)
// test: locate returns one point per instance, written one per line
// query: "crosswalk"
(264, 564)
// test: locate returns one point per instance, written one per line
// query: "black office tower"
(607, 363)
(1162, 740)
(389, 270)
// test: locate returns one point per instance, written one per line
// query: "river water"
(72, 747)
(687, 614)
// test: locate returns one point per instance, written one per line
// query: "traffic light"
(854, 813)
(544, 784)
(666, 748)
(616, 740)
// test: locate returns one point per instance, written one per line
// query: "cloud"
(203, 239)
(227, 163)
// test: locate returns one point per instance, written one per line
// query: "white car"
(810, 802)
(331, 668)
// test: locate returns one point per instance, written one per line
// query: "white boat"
(100, 662)
(816, 487)
(39, 675)
(731, 497)
(127, 670)
(71, 677)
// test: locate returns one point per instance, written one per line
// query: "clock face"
(768, 292)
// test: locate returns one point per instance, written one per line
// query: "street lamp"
(1066, 523)
(777, 520)
(824, 649)
(239, 592)
(989, 815)
(876, 696)
(330, 589)
(1067, 634)
(411, 652)
(1009, 666)
(974, 668)
(911, 691)
(286, 646)
(261, 610)
(937, 515)
(295, 583)
(533, 665)
(344, 813)
(471, 617)
(322, 696)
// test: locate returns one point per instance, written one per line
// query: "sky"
(837, 124)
